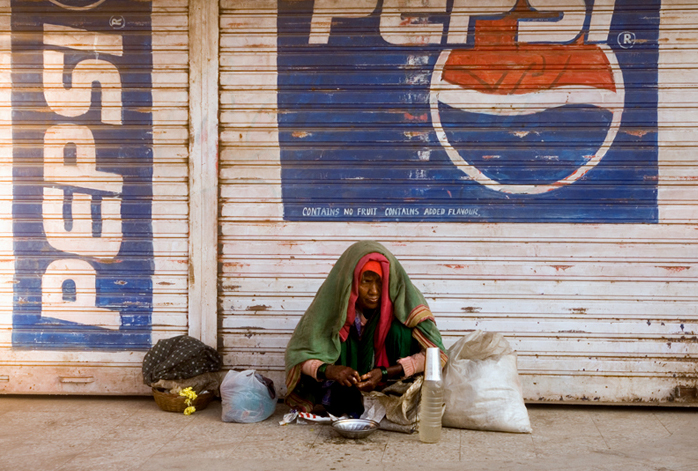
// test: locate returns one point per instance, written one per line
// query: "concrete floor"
(132, 433)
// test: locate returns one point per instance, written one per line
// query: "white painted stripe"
(474, 101)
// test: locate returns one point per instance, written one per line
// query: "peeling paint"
(108, 261)
(674, 269)
(424, 155)
(422, 136)
(639, 132)
(258, 307)
(471, 309)
(419, 117)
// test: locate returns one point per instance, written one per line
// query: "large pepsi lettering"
(561, 30)
(75, 100)
(81, 308)
(84, 167)
(396, 30)
(463, 10)
(82, 215)
(468, 110)
(326, 10)
(600, 21)
(81, 240)
(397, 27)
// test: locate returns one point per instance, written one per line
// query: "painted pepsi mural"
(82, 175)
(467, 111)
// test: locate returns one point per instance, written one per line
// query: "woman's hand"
(370, 380)
(344, 375)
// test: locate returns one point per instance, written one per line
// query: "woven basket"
(175, 403)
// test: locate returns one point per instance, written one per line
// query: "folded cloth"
(400, 401)
(203, 382)
(390, 426)
(179, 357)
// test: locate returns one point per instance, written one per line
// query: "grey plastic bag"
(247, 397)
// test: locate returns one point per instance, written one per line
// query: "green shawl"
(317, 334)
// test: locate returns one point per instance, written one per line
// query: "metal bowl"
(355, 428)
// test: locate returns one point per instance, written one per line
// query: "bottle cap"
(432, 368)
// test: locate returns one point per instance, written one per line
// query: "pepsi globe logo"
(527, 119)
(512, 111)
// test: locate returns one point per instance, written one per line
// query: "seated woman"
(367, 324)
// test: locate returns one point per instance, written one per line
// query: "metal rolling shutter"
(595, 291)
(94, 191)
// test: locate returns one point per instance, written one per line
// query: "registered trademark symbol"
(626, 39)
(117, 22)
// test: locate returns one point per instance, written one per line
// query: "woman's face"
(370, 288)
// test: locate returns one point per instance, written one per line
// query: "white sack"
(482, 387)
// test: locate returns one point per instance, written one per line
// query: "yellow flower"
(189, 396)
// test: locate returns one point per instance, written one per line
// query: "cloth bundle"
(179, 358)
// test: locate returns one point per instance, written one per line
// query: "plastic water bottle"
(431, 405)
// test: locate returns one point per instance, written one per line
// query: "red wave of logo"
(498, 65)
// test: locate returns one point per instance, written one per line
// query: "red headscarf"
(373, 266)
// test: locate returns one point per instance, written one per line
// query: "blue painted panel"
(123, 283)
(359, 123)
